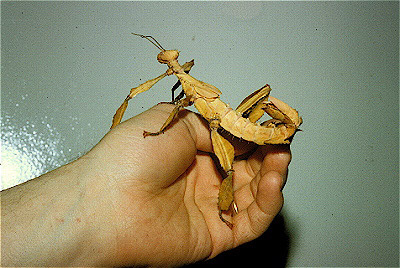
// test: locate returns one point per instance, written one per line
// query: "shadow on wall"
(270, 250)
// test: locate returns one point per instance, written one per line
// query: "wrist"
(45, 222)
(92, 219)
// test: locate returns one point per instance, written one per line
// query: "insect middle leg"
(225, 153)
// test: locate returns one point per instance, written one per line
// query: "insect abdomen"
(241, 127)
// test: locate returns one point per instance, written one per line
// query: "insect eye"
(167, 55)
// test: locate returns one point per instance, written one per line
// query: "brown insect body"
(241, 127)
(240, 122)
(207, 102)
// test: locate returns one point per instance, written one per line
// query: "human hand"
(155, 198)
(135, 201)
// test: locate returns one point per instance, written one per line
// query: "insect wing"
(201, 88)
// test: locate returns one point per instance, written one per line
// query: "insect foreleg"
(134, 91)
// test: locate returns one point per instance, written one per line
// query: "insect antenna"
(152, 40)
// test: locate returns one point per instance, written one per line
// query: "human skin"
(142, 201)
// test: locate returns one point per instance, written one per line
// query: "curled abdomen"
(241, 127)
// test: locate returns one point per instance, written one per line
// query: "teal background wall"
(67, 66)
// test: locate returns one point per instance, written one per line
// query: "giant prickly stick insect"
(241, 122)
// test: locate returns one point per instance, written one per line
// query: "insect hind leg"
(252, 106)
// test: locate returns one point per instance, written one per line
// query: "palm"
(169, 198)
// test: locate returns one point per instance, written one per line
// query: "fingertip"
(281, 151)
(276, 158)
(269, 196)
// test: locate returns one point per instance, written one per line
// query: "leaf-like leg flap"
(223, 149)
(225, 197)
(251, 107)
(119, 113)
(225, 153)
